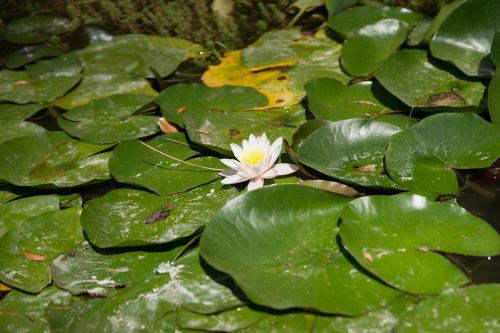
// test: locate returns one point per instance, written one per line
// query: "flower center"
(253, 157)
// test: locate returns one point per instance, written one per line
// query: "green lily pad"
(278, 244)
(423, 158)
(283, 323)
(444, 10)
(35, 29)
(18, 112)
(395, 237)
(218, 129)
(350, 21)
(181, 99)
(471, 309)
(133, 163)
(494, 87)
(226, 321)
(15, 324)
(371, 45)
(464, 38)
(85, 271)
(329, 99)
(8, 193)
(11, 129)
(137, 55)
(28, 249)
(110, 119)
(41, 82)
(102, 85)
(130, 217)
(420, 82)
(351, 150)
(14, 212)
(29, 54)
(335, 6)
(416, 36)
(51, 158)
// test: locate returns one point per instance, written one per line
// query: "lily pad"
(397, 237)
(28, 249)
(29, 54)
(471, 309)
(51, 158)
(465, 36)
(329, 99)
(18, 112)
(35, 29)
(444, 10)
(138, 55)
(283, 323)
(422, 82)
(102, 85)
(11, 129)
(85, 271)
(133, 163)
(351, 150)
(130, 217)
(14, 212)
(181, 99)
(494, 87)
(226, 321)
(278, 244)
(42, 82)
(15, 324)
(423, 158)
(371, 45)
(350, 21)
(110, 119)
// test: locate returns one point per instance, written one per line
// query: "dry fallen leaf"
(33, 256)
(166, 127)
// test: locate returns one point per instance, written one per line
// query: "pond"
(340, 174)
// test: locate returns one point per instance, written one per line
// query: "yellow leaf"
(4, 288)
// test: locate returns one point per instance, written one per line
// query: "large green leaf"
(28, 249)
(18, 112)
(226, 321)
(133, 163)
(494, 87)
(351, 150)
(465, 36)
(16, 323)
(51, 158)
(29, 54)
(471, 309)
(423, 158)
(283, 323)
(130, 217)
(138, 55)
(422, 82)
(14, 212)
(395, 238)
(11, 129)
(329, 99)
(42, 82)
(85, 271)
(110, 119)
(104, 84)
(444, 11)
(279, 245)
(350, 21)
(35, 29)
(371, 45)
(188, 98)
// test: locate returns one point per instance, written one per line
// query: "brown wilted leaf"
(33, 256)
(166, 127)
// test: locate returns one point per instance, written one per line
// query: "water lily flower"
(255, 162)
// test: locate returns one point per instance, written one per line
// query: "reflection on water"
(481, 197)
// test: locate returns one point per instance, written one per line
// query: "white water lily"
(255, 162)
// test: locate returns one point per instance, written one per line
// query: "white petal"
(277, 143)
(252, 139)
(275, 150)
(245, 144)
(233, 180)
(237, 151)
(264, 142)
(255, 183)
(228, 172)
(230, 163)
(285, 168)
(271, 173)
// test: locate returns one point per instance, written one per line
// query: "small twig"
(299, 14)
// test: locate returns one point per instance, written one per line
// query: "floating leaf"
(35, 29)
(329, 99)
(283, 323)
(18, 112)
(464, 38)
(494, 87)
(396, 238)
(15, 324)
(110, 119)
(11, 129)
(420, 82)
(51, 158)
(130, 217)
(351, 150)
(278, 244)
(444, 10)
(371, 45)
(138, 55)
(29, 54)
(226, 321)
(188, 98)
(350, 21)
(42, 82)
(423, 158)
(471, 309)
(49, 235)
(15, 212)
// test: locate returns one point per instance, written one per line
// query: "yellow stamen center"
(253, 157)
